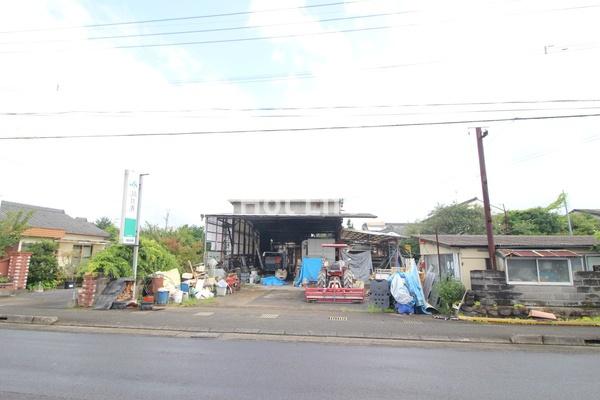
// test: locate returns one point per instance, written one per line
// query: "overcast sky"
(66, 81)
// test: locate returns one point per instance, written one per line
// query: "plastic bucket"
(177, 297)
(185, 287)
(163, 296)
(221, 291)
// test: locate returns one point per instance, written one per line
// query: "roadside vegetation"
(160, 249)
(11, 228)
(451, 292)
(468, 219)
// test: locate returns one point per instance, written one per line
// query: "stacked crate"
(85, 296)
(380, 294)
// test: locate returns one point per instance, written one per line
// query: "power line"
(335, 107)
(307, 129)
(147, 21)
(217, 29)
(247, 39)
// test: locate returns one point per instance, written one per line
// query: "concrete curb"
(28, 319)
(213, 333)
(204, 332)
(527, 322)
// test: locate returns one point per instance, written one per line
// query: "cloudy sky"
(76, 68)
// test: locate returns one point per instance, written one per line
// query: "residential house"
(77, 238)
(529, 260)
(594, 212)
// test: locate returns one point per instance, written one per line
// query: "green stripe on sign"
(130, 227)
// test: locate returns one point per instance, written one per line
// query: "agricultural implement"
(335, 283)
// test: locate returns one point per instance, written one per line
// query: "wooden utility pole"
(486, 198)
(439, 258)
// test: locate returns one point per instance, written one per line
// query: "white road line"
(204, 314)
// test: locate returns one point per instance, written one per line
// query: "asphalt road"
(52, 366)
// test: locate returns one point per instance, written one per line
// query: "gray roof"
(514, 241)
(591, 211)
(52, 218)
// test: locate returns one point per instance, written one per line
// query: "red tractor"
(335, 283)
(336, 274)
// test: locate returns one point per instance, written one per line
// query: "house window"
(448, 268)
(522, 271)
(577, 265)
(539, 271)
(81, 254)
(591, 261)
(554, 271)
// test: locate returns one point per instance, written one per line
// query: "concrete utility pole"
(167, 220)
(136, 246)
(567, 213)
(486, 198)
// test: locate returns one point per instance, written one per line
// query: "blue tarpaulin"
(413, 283)
(272, 281)
(309, 270)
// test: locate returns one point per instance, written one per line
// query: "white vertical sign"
(129, 222)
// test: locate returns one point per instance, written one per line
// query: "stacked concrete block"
(587, 284)
(87, 293)
(490, 288)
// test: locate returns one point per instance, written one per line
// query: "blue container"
(185, 287)
(162, 297)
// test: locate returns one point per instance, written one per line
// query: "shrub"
(450, 291)
(115, 261)
(43, 266)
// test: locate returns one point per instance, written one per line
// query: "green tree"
(583, 224)
(186, 242)
(11, 229)
(454, 219)
(43, 266)
(115, 261)
(106, 225)
(535, 221)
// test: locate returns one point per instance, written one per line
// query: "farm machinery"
(335, 283)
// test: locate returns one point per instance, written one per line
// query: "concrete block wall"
(490, 288)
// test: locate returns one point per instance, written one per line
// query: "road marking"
(337, 318)
(411, 322)
(269, 316)
(204, 314)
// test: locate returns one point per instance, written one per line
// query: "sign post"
(130, 217)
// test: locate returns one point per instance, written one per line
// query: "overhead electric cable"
(333, 107)
(128, 36)
(147, 21)
(306, 129)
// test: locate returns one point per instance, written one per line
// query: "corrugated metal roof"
(538, 253)
(514, 241)
(351, 235)
(53, 218)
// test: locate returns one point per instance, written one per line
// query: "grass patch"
(189, 302)
(585, 321)
(205, 302)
